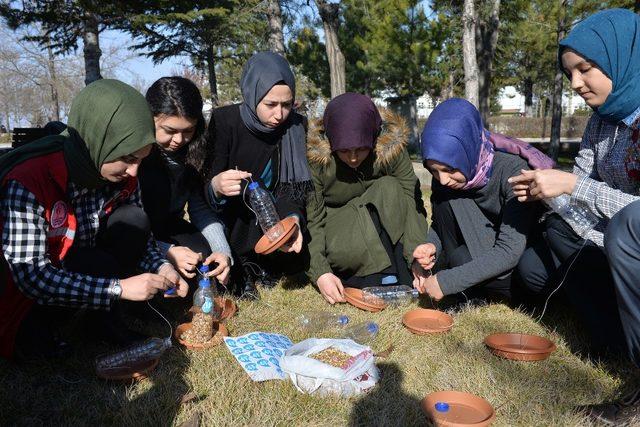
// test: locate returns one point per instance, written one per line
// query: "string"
(544, 309)
(163, 318)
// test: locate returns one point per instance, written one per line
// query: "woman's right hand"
(228, 183)
(143, 286)
(331, 288)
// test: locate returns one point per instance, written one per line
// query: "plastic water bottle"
(578, 217)
(317, 321)
(399, 294)
(265, 211)
(204, 296)
(136, 354)
(362, 332)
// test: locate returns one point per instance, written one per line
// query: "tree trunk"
(53, 82)
(213, 80)
(330, 15)
(556, 118)
(469, 52)
(486, 42)
(528, 98)
(274, 16)
(92, 52)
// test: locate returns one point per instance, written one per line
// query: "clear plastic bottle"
(203, 298)
(265, 211)
(133, 355)
(362, 332)
(578, 217)
(319, 320)
(399, 294)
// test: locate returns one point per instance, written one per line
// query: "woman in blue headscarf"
(601, 58)
(478, 230)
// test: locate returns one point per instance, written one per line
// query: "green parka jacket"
(342, 232)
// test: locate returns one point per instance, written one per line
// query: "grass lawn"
(524, 393)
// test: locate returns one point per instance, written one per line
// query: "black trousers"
(120, 245)
(455, 253)
(588, 283)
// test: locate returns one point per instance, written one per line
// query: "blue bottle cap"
(373, 327)
(204, 268)
(171, 291)
(253, 185)
(442, 406)
(343, 320)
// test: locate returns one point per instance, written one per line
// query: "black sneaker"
(624, 412)
(248, 290)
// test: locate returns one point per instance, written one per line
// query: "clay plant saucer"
(216, 339)
(520, 346)
(225, 308)
(265, 246)
(355, 298)
(457, 409)
(135, 372)
(423, 321)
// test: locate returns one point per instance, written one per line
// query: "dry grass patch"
(525, 393)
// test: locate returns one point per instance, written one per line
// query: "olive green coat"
(343, 236)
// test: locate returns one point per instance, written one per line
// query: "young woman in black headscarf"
(262, 139)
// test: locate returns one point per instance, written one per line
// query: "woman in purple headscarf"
(479, 229)
(366, 216)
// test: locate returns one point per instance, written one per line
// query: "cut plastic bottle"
(578, 217)
(399, 294)
(262, 205)
(317, 321)
(133, 355)
(362, 333)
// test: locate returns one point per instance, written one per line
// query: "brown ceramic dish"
(265, 246)
(136, 372)
(520, 346)
(425, 321)
(465, 409)
(221, 332)
(354, 297)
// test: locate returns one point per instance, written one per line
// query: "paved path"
(423, 174)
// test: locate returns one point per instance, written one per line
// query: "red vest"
(46, 177)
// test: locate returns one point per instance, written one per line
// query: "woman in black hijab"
(262, 138)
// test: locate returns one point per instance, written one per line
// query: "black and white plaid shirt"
(608, 170)
(24, 245)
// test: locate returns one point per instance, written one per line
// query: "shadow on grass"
(387, 403)
(66, 391)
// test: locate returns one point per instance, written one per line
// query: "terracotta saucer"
(425, 321)
(221, 332)
(520, 346)
(354, 297)
(135, 372)
(265, 246)
(225, 308)
(457, 409)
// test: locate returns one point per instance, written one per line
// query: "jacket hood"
(393, 138)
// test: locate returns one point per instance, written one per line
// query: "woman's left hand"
(295, 242)
(167, 271)
(541, 184)
(431, 287)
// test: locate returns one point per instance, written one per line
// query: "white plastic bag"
(315, 377)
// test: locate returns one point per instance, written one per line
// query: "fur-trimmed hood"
(393, 138)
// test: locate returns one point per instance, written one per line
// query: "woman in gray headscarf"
(262, 138)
